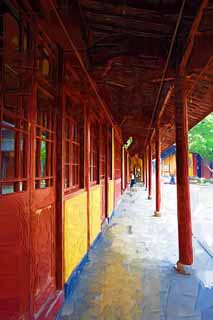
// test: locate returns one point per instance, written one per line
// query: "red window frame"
(103, 154)
(94, 153)
(14, 133)
(45, 130)
(46, 63)
(74, 146)
(118, 159)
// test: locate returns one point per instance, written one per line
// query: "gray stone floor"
(130, 271)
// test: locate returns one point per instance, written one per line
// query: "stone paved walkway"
(130, 271)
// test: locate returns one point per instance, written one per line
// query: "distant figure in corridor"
(133, 181)
(172, 179)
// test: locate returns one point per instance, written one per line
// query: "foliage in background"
(201, 138)
(128, 143)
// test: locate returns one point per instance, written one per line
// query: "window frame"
(117, 159)
(73, 141)
(103, 151)
(20, 128)
(50, 130)
(94, 152)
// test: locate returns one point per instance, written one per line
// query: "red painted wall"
(205, 171)
(194, 165)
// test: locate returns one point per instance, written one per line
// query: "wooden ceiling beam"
(140, 10)
(161, 111)
(159, 94)
(163, 107)
(192, 34)
(122, 31)
(124, 20)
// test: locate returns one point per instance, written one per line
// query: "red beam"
(192, 35)
(79, 58)
(200, 76)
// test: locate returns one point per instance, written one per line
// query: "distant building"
(197, 166)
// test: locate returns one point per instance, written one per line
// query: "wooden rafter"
(192, 34)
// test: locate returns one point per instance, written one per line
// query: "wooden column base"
(157, 214)
(183, 269)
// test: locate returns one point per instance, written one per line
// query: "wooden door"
(43, 202)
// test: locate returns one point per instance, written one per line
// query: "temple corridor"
(129, 272)
(96, 96)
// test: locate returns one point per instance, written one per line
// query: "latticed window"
(45, 140)
(46, 64)
(74, 146)
(15, 34)
(13, 39)
(1, 32)
(94, 156)
(118, 158)
(14, 136)
(14, 121)
(103, 150)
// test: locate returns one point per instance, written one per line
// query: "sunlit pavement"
(130, 272)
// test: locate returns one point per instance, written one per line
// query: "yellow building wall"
(75, 232)
(135, 162)
(110, 197)
(165, 167)
(95, 212)
(132, 163)
(75, 221)
(172, 161)
(190, 164)
(139, 164)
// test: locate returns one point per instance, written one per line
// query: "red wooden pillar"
(146, 171)
(150, 172)
(158, 173)
(182, 169)
(87, 167)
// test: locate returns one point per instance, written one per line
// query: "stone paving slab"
(130, 273)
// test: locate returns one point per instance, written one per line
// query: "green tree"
(201, 139)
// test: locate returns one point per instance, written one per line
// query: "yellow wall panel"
(135, 162)
(95, 212)
(75, 232)
(165, 167)
(110, 197)
(190, 165)
(132, 163)
(172, 161)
